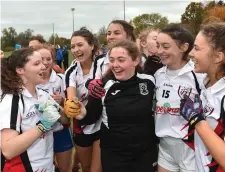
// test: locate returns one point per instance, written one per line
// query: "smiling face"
(46, 59)
(33, 70)
(169, 52)
(202, 54)
(115, 32)
(80, 49)
(121, 63)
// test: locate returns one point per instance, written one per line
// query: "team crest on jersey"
(182, 90)
(208, 109)
(56, 90)
(143, 88)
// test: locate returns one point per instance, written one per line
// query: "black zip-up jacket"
(126, 111)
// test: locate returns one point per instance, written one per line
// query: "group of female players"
(142, 106)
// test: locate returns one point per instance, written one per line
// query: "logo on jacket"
(115, 92)
(143, 88)
(208, 109)
(182, 90)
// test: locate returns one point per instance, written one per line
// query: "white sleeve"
(98, 65)
(62, 84)
(10, 112)
(70, 77)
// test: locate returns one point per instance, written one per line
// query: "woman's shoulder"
(146, 77)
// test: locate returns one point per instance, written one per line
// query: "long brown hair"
(215, 34)
(11, 82)
(132, 50)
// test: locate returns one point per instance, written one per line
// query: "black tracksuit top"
(126, 112)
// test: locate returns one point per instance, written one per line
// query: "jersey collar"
(186, 68)
(26, 93)
(53, 76)
(80, 71)
(219, 85)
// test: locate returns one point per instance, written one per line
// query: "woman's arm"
(13, 143)
(71, 92)
(212, 141)
(94, 111)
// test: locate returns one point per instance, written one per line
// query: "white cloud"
(39, 15)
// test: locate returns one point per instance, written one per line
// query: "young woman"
(209, 119)
(86, 138)
(54, 85)
(149, 49)
(116, 31)
(26, 130)
(128, 141)
(173, 81)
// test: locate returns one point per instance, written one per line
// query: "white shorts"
(175, 155)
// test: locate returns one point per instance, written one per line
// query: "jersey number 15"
(166, 94)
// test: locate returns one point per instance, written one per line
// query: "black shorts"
(85, 140)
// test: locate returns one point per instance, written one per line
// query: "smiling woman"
(127, 130)
(173, 81)
(24, 129)
(86, 138)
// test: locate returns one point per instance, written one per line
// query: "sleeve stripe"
(68, 73)
(96, 64)
(145, 76)
(14, 112)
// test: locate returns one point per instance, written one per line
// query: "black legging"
(65, 63)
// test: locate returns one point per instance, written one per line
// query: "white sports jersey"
(169, 91)
(214, 112)
(39, 156)
(74, 77)
(55, 84)
(101, 66)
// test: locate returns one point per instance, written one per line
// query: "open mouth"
(41, 74)
(117, 71)
(79, 56)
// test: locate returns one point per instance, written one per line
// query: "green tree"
(193, 16)
(8, 38)
(59, 40)
(153, 20)
(101, 35)
(24, 37)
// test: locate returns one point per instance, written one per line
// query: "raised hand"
(192, 110)
(49, 117)
(72, 107)
(95, 88)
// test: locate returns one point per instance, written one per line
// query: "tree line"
(196, 13)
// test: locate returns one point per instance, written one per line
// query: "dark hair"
(132, 50)
(88, 36)
(215, 34)
(129, 29)
(181, 36)
(11, 83)
(39, 38)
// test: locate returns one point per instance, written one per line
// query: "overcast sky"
(39, 15)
